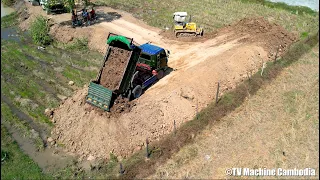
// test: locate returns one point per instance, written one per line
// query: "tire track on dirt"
(43, 131)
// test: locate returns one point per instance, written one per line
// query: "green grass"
(80, 44)
(17, 165)
(213, 14)
(39, 30)
(30, 74)
(8, 3)
(280, 5)
(13, 120)
(9, 117)
(9, 20)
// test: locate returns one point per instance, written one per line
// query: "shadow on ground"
(167, 72)
(101, 17)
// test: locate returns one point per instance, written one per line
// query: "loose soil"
(229, 56)
(114, 68)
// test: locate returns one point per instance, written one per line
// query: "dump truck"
(126, 71)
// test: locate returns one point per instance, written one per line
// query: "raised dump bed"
(116, 72)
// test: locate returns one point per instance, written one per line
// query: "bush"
(40, 31)
(79, 44)
(8, 2)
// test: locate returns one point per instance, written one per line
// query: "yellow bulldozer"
(183, 28)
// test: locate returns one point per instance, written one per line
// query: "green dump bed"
(107, 87)
(99, 96)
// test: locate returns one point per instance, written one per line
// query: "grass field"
(213, 14)
(35, 80)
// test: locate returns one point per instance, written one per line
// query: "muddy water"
(6, 10)
(10, 34)
(48, 159)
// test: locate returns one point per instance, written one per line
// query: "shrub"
(79, 44)
(8, 2)
(40, 31)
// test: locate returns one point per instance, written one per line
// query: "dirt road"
(229, 57)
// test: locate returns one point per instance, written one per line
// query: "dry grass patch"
(278, 127)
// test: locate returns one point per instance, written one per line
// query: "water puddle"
(48, 159)
(10, 34)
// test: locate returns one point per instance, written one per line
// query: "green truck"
(127, 70)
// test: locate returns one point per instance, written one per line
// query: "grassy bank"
(32, 80)
(17, 165)
(35, 80)
(9, 20)
(8, 2)
(213, 14)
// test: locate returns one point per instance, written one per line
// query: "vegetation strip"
(280, 5)
(24, 117)
(217, 14)
(138, 167)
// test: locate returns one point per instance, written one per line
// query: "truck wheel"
(160, 74)
(137, 91)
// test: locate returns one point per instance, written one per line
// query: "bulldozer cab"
(180, 18)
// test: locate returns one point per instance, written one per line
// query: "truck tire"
(136, 92)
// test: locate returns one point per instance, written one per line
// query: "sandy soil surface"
(228, 55)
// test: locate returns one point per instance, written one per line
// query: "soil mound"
(274, 37)
(114, 68)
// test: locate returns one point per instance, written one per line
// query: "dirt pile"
(114, 68)
(274, 37)
(120, 106)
